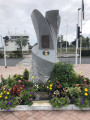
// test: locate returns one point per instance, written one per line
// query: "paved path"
(45, 115)
(12, 70)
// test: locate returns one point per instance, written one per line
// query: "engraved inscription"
(45, 41)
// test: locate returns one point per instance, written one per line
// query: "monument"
(44, 53)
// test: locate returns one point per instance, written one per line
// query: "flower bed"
(63, 88)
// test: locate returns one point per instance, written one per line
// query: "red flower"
(23, 85)
(85, 80)
(57, 82)
(19, 90)
(26, 81)
(58, 86)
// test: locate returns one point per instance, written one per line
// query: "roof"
(18, 34)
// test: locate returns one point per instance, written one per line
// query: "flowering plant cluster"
(66, 83)
(7, 100)
(59, 102)
(16, 90)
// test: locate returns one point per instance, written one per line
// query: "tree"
(21, 41)
(87, 42)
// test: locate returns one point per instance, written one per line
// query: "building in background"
(11, 43)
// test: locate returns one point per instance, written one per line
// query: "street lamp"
(77, 38)
(66, 34)
(5, 38)
(21, 44)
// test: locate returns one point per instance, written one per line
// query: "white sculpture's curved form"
(44, 53)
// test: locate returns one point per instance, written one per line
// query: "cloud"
(16, 14)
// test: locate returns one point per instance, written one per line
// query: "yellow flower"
(21, 77)
(85, 94)
(50, 88)
(79, 72)
(1, 93)
(86, 89)
(4, 91)
(49, 81)
(6, 97)
(50, 85)
(47, 87)
(0, 96)
(7, 92)
(16, 75)
(32, 77)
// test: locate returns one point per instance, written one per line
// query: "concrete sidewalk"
(11, 70)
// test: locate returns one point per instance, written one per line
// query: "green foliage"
(59, 102)
(42, 87)
(17, 53)
(74, 91)
(24, 42)
(28, 95)
(85, 53)
(3, 81)
(82, 102)
(64, 74)
(26, 74)
(1, 55)
(7, 100)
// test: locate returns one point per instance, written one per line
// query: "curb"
(44, 105)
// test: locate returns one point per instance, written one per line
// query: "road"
(11, 61)
(26, 60)
(85, 60)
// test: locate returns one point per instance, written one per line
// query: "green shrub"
(74, 92)
(1, 55)
(42, 87)
(28, 95)
(63, 74)
(17, 53)
(59, 102)
(26, 74)
(85, 53)
(11, 55)
(7, 100)
(82, 102)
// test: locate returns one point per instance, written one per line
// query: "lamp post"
(77, 39)
(66, 34)
(21, 44)
(5, 38)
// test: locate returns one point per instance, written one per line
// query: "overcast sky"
(15, 16)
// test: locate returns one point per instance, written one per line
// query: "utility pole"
(66, 34)
(21, 44)
(77, 38)
(5, 38)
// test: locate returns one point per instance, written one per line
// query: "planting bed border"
(44, 105)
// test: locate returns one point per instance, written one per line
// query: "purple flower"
(10, 103)
(32, 93)
(8, 110)
(1, 108)
(27, 94)
(7, 103)
(57, 101)
(54, 101)
(81, 101)
(12, 98)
